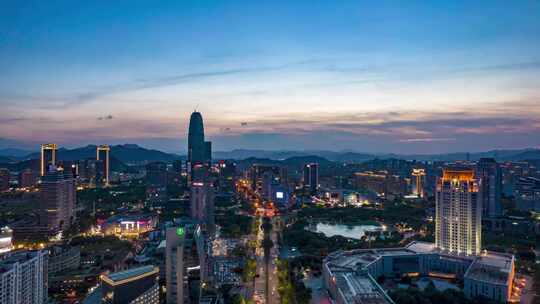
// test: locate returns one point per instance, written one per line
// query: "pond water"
(353, 232)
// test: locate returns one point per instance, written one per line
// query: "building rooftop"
(422, 247)
(360, 289)
(491, 267)
(126, 275)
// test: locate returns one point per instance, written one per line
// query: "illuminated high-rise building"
(419, 176)
(458, 212)
(58, 196)
(48, 156)
(102, 155)
(489, 173)
(202, 197)
(311, 178)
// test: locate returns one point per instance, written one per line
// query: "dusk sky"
(370, 76)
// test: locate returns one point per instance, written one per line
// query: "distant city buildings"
(58, 197)
(263, 177)
(418, 179)
(27, 178)
(23, 277)
(458, 212)
(157, 180)
(133, 286)
(527, 194)
(382, 183)
(4, 179)
(48, 157)
(488, 172)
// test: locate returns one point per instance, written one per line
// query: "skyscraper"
(311, 178)
(23, 277)
(57, 199)
(419, 176)
(458, 212)
(489, 173)
(196, 145)
(174, 265)
(102, 155)
(48, 156)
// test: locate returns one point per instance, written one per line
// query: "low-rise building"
(349, 275)
(132, 286)
(62, 258)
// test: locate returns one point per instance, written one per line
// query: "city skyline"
(418, 78)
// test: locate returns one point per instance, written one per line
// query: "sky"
(370, 76)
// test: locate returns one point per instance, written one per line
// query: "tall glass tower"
(199, 151)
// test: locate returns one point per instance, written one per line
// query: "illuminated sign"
(279, 194)
(180, 231)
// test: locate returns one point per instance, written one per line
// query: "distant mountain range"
(349, 156)
(120, 155)
(133, 154)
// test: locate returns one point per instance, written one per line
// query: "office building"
(58, 198)
(4, 179)
(23, 277)
(488, 172)
(156, 174)
(132, 286)
(418, 180)
(48, 157)
(311, 178)
(174, 265)
(63, 258)
(458, 212)
(202, 197)
(27, 178)
(157, 179)
(527, 194)
(102, 155)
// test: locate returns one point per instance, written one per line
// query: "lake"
(353, 232)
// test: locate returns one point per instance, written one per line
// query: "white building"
(23, 277)
(174, 265)
(458, 212)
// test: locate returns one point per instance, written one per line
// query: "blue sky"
(374, 76)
